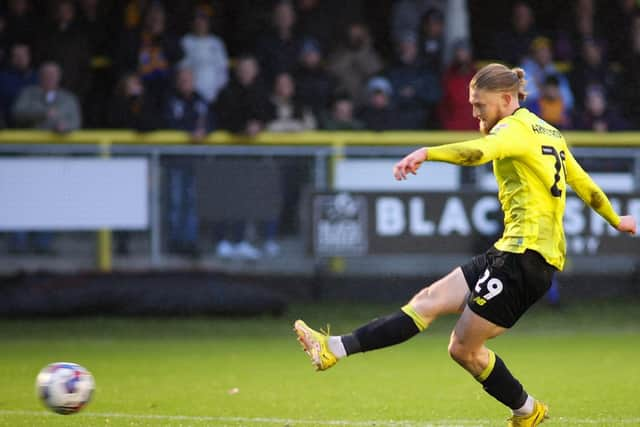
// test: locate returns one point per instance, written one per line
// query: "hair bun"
(519, 72)
(522, 83)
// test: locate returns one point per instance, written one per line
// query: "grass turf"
(179, 372)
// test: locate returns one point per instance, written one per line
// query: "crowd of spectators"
(305, 64)
(296, 65)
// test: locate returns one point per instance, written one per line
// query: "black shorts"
(504, 285)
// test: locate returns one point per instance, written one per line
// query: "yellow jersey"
(532, 165)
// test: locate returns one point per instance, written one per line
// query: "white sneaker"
(246, 250)
(272, 248)
(224, 249)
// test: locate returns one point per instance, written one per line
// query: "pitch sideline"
(287, 421)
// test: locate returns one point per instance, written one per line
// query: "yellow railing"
(575, 138)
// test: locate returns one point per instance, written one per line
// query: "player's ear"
(506, 98)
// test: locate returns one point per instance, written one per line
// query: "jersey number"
(494, 286)
(551, 151)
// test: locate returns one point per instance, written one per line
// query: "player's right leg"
(447, 295)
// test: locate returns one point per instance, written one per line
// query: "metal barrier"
(323, 149)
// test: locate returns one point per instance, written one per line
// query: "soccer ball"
(64, 388)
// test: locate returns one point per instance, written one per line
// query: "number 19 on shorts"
(492, 287)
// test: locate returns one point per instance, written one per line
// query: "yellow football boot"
(539, 414)
(315, 344)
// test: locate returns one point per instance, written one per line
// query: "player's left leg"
(467, 347)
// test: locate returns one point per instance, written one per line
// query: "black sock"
(503, 386)
(379, 333)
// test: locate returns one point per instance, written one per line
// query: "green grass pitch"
(582, 360)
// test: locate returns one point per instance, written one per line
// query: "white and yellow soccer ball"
(65, 388)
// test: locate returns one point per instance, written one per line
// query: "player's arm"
(593, 196)
(467, 153)
(501, 143)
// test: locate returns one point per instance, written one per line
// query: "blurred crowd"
(306, 64)
(296, 65)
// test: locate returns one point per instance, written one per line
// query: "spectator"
(130, 108)
(152, 52)
(278, 50)
(341, 117)
(355, 63)
(591, 69)
(455, 112)
(540, 65)
(66, 43)
(432, 39)
(46, 105)
(512, 45)
(315, 85)
(416, 87)
(550, 106)
(242, 105)
(406, 14)
(185, 110)
(598, 116)
(206, 55)
(379, 114)
(285, 114)
(14, 78)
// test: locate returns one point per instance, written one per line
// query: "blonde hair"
(500, 78)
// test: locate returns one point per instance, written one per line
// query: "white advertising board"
(72, 193)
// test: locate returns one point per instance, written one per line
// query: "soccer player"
(532, 165)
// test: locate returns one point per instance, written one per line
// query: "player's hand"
(409, 164)
(627, 225)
